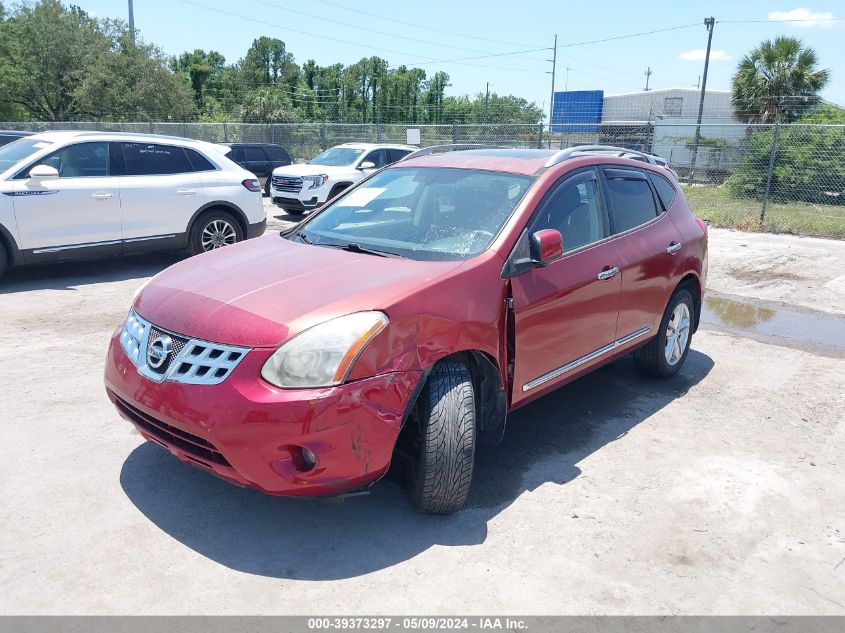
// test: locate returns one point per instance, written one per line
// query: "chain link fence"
(782, 178)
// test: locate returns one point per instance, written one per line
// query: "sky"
(500, 42)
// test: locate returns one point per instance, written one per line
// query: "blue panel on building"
(577, 110)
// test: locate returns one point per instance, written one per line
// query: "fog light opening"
(307, 459)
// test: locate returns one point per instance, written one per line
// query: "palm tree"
(777, 81)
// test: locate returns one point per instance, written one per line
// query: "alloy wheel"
(677, 334)
(217, 234)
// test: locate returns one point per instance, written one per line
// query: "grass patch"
(720, 208)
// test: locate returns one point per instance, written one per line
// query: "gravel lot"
(719, 491)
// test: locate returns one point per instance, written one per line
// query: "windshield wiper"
(301, 235)
(354, 247)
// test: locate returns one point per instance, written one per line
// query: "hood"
(304, 169)
(261, 292)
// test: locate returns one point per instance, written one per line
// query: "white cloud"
(698, 54)
(804, 18)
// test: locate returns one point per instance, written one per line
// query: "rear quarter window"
(665, 190)
(198, 161)
(276, 153)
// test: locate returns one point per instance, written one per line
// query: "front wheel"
(664, 355)
(3, 259)
(440, 477)
(214, 230)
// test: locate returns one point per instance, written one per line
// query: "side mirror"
(40, 173)
(546, 246)
(367, 164)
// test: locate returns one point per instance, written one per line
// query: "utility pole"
(648, 75)
(131, 22)
(566, 82)
(709, 23)
(486, 101)
(554, 67)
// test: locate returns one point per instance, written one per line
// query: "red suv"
(408, 317)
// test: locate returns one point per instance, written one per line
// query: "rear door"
(565, 313)
(159, 190)
(647, 243)
(77, 214)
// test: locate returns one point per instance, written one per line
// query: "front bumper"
(249, 432)
(304, 200)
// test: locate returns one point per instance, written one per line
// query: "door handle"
(673, 248)
(186, 192)
(101, 195)
(609, 273)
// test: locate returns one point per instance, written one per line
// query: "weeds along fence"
(788, 178)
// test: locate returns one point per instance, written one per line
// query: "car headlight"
(314, 182)
(322, 356)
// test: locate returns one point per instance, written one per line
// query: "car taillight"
(252, 184)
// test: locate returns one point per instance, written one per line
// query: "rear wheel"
(665, 354)
(440, 476)
(214, 230)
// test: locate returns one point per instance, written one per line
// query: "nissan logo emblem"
(158, 351)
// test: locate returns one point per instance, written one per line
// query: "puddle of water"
(805, 329)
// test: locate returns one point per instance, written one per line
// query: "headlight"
(322, 356)
(314, 182)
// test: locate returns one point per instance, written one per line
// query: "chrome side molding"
(560, 371)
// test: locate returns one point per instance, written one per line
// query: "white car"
(73, 195)
(302, 187)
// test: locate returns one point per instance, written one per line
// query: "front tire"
(441, 476)
(214, 230)
(664, 355)
(293, 211)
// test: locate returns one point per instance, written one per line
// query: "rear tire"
(4, 259)
(214, 230)
(440, 478)
(664, 355)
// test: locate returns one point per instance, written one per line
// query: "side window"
(630, 198)
(573, 208)
(665, 190)
(276, 153)
(237, 154)
(198, 161)
(254, 155)
(396, 155)
(378, 157)
(83, 160)
(147, 159)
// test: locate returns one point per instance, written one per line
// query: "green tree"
(777, 81)
(131, 81)
(204, 70)
(46, 50)
(268, 104)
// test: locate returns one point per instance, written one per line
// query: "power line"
(420, 26)
(624, 37)
(378, 32)
(359, 44)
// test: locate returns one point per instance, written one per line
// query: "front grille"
(187, 442)
(290, 184)
(161, 355)
(177, 343)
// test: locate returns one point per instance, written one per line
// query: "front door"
(565, 313)
(76, 215)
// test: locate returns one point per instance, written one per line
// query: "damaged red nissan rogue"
(409, 316)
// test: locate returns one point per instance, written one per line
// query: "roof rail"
(622, 152)
(453, 147)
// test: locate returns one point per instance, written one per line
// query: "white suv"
(70, 195)
(299, 188)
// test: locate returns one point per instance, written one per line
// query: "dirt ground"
(718, 491)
